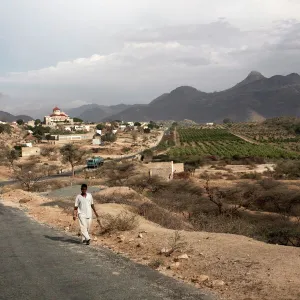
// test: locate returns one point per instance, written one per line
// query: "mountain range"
(255, 98)
(7, 117)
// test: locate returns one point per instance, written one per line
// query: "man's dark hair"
(84, 186)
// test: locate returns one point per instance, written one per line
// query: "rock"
(217, 283)
(24, 200)
(67, 228)
(140, 245)
(116, 273)
(121, 238)
(182, 257)
(140, 236)
(174, 266)
(95, 239)
(202, 278)
(164, 251)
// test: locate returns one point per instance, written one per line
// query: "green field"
(223, 144)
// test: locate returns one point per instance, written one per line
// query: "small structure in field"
(165, 170)
(30, 151)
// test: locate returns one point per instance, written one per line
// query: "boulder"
(182, 257)
(217, 283)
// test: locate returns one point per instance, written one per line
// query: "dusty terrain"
(233, 267)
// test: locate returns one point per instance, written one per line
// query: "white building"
(57, 116)
(82, 128)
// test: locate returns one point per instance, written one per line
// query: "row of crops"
(221, 143)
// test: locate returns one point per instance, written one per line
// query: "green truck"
(94, 162)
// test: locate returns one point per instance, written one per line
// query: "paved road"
(37, 262)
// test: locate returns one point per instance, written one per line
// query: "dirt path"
(244, 138)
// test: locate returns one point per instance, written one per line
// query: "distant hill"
(254, 97)
(96, 112)
(7, 117)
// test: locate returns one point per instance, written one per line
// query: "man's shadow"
(62, 239)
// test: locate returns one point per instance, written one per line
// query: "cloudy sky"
(74, 52)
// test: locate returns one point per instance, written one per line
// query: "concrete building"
(165, 170)
(57, 116)
(31, 123)
(30, 151)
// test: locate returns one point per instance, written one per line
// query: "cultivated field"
(223, 144)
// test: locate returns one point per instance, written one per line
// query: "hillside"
(254, 97)
(95, 112)
(7, 117)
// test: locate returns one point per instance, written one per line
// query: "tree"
(227, 121)
(152, 125)
(11, 155)
(117, 173)
(134, 136)
(73, 155)
(20, 122)
(28, 175)
(37, 122)
(100, 126)
(77, 120)
(138, 124)
(109, 137)
(147, 155)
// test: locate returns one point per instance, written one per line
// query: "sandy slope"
(250, 269)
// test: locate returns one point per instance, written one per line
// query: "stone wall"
(178, 168)
(29, 151)
(161, 169)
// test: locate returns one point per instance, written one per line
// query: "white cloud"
(131, 51)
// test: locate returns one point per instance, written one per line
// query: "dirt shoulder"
(233, 267)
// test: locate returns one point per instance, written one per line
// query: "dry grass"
(163, 217)
(124, 221)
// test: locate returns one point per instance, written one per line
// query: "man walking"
(84, 204)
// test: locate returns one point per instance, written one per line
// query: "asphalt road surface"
(37, 262)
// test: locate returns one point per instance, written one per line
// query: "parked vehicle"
(94, 162)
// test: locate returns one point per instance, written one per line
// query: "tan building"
(57, 116)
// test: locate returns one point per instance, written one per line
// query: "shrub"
(124, 221)
(118, 198)
(144, 182)
(117, 173)
(252, 176)
(269, 183)
(158, 215)
(284, 234)
(224, 224)
(155, 264)
(287, 170)
(5, 128)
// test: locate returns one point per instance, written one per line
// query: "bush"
(224, 224)
(118, 198)
(287, 170)
(252, 176)
(109, 137)
(117, 173)
(155, 264)
(5, 128)
(285, 234)
(124, 221)
(158, 215)
(144, 182)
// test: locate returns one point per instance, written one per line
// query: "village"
(41, 141)
(162, 201)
